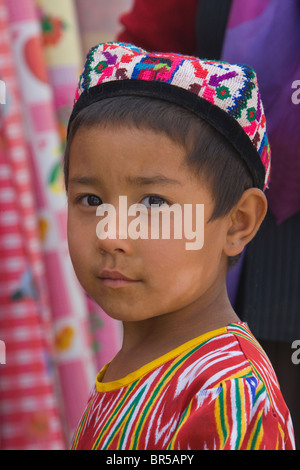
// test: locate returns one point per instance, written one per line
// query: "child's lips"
(115, 279)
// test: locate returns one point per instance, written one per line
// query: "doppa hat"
(224, 95)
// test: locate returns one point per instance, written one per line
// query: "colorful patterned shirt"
(217, 391)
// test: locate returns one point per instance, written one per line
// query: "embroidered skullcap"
(224, 95)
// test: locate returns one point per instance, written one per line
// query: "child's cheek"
(78, 241)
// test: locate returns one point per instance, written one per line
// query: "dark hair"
(209, 154)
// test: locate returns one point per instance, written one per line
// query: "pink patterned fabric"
(29, 412)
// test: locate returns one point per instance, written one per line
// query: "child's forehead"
(137, 156)
(127, 142)
(128, 135)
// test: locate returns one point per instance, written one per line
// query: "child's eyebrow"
(147, 180)
(132, 180)
(84, 180)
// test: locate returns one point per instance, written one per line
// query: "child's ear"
(245, 220)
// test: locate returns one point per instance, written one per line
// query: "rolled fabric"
(29, 411)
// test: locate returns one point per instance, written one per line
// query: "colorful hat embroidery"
(224, 95)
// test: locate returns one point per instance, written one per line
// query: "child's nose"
(114, 244)
(112, 233)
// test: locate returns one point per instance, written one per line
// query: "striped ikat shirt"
(217, 391)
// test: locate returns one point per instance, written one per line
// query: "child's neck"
(149, 339)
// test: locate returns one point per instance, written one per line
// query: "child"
(167, 130)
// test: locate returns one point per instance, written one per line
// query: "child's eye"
(154, 200)
(91, 200)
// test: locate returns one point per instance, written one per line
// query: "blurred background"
(56, 338)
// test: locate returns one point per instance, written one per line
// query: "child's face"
(165, 277)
